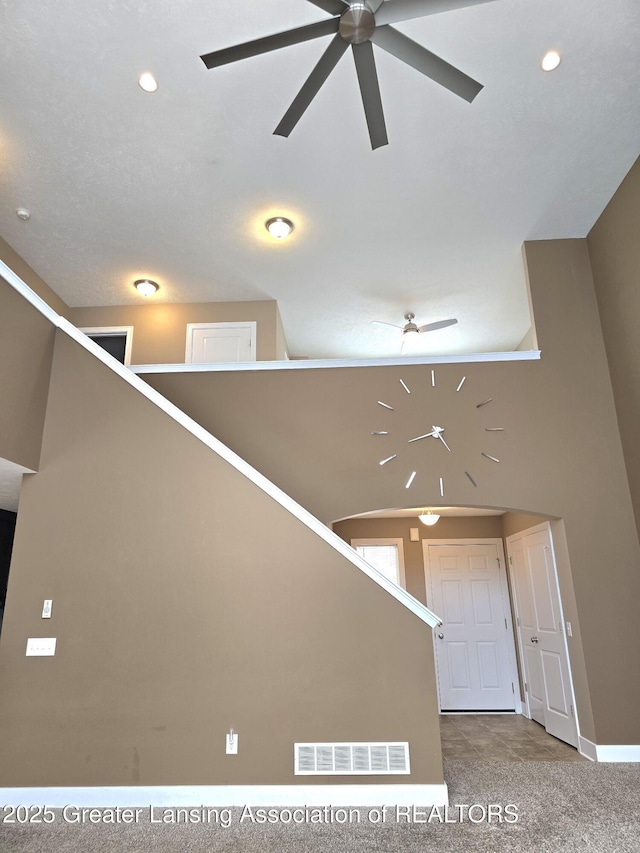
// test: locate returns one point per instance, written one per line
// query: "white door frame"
(546, 527)
(252, 325)
(106, 331)
(506, 600)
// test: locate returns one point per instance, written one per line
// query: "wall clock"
(435, 435)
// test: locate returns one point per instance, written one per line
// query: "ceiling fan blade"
(275, 42)
(426, 62)
(370, 91)
(382, 323)
(393, 11)
(333, 7)
(439, 324)
(310, 89)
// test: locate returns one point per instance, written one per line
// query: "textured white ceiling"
(176, 185)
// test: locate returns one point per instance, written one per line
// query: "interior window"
(384, 558)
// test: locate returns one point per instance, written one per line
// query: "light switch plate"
(41, 646)
(414, 534)
(569, 630)
(46, 608)
(232, 743)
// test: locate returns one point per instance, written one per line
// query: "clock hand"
(444, 442)
(426, 435)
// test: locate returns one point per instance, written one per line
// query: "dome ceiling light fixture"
(146, 287)
(429, 517)
(360, 25)
(550, 60)
(148, 82)
(279, 227)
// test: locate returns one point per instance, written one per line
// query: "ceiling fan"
(410, 330)
(359, 23)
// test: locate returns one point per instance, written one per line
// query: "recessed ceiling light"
(23, 213)
(551, 60)
(148, 82)
(279, 227)
(145, 286)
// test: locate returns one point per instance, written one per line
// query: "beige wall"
(560, 455)
(15, 263)
(187, 602)
(26, 348)
(516, 522)
(160, 331)
(614, 246)
(485, 527)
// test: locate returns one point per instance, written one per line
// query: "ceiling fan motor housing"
(357, 24)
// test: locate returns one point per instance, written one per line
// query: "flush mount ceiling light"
(429, 518)
(551, 60)
(279, 227)
(148, 82)
(145, 286)
(23, 213)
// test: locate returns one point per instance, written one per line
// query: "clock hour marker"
(386, 405)
(433, 379)
(461, 383)
(494, 429)
(480, 405)
(380, 432)
(388, 459)
(441, 487)
(405, 386)
(471, 480)
(492, 458)
(411, 479)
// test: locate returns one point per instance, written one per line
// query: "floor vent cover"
(351, 759)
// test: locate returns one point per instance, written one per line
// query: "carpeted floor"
(563, 807)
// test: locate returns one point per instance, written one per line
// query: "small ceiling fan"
(410, 330)
(360, 23)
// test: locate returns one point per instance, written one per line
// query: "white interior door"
(540, 632)
(214, 343)
(475, 656)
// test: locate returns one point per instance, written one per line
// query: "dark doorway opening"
(7, 531)
(115, 344)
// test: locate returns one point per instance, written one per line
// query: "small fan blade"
(426, 62)
(440, 324)
(333, 7)
(325, 66)
(382, 323)
(275, 42)
(393, 11)
(370, 91)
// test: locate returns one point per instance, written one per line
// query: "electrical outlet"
(232, 743)
(41, 646)
(46, 608)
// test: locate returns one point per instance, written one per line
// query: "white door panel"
(540, 634)
(474, 666)
(217, 343)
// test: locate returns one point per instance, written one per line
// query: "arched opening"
(502, 658)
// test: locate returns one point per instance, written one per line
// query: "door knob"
(441, 636)
(534, 639)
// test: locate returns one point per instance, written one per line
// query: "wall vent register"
(351, 759)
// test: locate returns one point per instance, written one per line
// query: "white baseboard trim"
(587, 748)
(609, 752)
(229, 796)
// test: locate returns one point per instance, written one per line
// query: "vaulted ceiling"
(177, 185)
